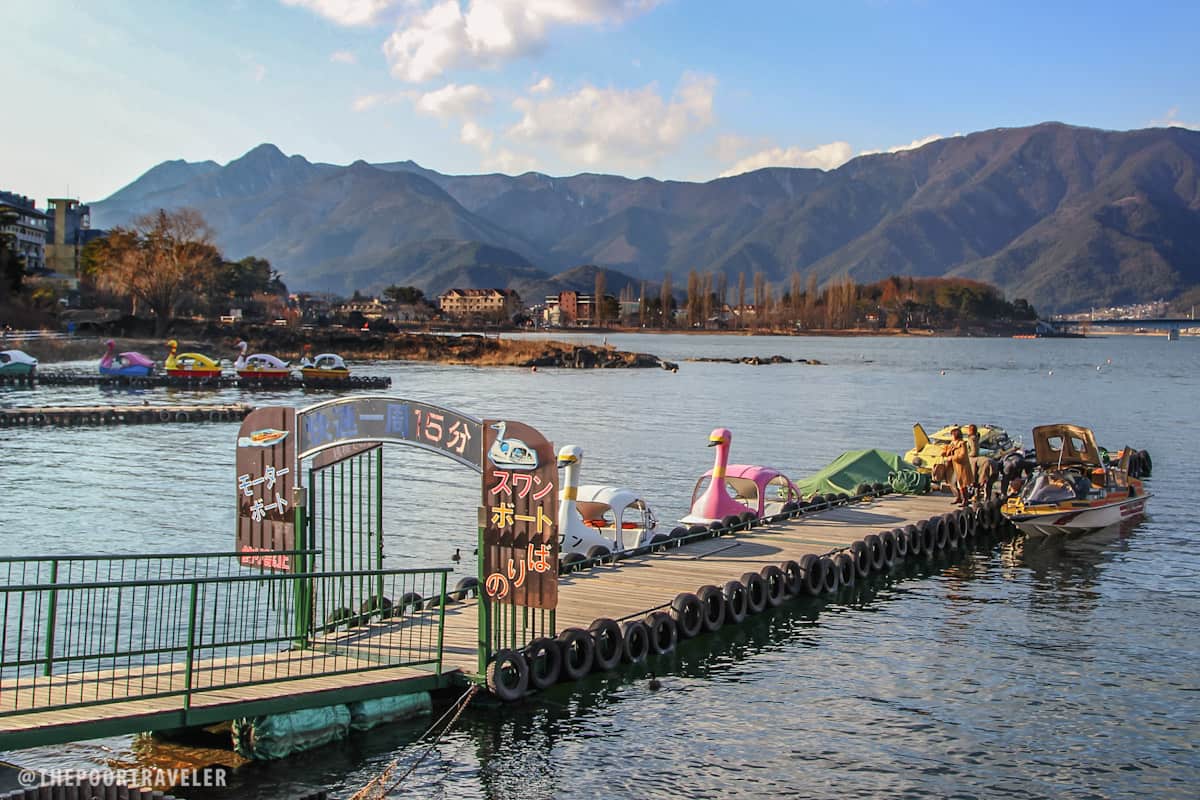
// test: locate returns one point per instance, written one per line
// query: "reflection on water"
(1030, 669)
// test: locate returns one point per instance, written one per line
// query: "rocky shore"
(759, 360)
(288, 344)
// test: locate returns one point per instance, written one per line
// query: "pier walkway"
(99, 646)
(24, 416)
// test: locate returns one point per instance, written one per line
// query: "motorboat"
(1072, 488)
(926, 452)
(17, 363)
(727, 493)
(127, 365)
(595, 520)
(260, 366)
(323, 367)
(193, 366)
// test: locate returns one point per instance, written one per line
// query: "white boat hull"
(1079, 520)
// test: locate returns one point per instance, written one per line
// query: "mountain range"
(1064, 216)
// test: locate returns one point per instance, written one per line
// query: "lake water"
(1067, 668)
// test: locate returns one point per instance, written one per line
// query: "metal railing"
(99, 641)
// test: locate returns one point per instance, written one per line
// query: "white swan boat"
(597, 520)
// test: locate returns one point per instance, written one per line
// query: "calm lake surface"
(1067, 669)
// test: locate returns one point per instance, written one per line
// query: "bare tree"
(598, 302)
(664, 297)
(741, 298)
(160, 259)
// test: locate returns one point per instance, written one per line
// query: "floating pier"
(217, 656)
(120, 415)
(221, 382)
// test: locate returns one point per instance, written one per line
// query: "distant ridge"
(1064, 216)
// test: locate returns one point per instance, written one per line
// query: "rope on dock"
(376, 788)
(119, 415)
(221, 382)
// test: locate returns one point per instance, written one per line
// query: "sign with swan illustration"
(520, 501)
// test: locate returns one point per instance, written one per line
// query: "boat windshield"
(1055, 487)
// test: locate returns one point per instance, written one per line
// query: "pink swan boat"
(727, 493)
(130, 365)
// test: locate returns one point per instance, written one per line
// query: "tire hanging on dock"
(756, 592)
(688, 615)
(888, 541)
(508, 677)
(608, 643)
(875, 550)
(901, 540)
(832, 579)
(793, 577)
(862, 558)
(544, 657)
(712, 603)
(578, 651)
(814, 574)
(844, 562)
(775, 582)
(635, 638)
(735, 601)
(663, 634)
(916, 542)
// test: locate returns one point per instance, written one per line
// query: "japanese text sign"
(520, 504)
(266, 475)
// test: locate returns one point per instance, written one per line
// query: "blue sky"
(682, 89)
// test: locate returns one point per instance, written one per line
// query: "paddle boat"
(597, 520)
(926, 452)
(189, 365)
(17, 363)
(129, 365)
(324, 367)
(260, 366)
(728, 493)
(1072, 489)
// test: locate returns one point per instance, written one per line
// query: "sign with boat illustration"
(266, 477)
(520, 516)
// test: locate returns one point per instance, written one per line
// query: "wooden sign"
(266, 476)
(520, 502)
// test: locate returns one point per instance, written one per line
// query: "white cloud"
(826, 156)
(366, 102)
(343, 57)
(509, 163)
(348, 13)
(475, 135)
(595, 126)
(542, 86)
(453, 100)
(1171, 121)
(445, 35)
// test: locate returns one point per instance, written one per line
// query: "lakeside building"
(488, 303)
(569, 309)
(69, 231)
(28, 229)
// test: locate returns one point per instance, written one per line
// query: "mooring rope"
(375, 790)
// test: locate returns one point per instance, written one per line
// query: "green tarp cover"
(852, 468)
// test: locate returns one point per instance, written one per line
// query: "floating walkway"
(222, 382)
(177, 646)
(120, 415)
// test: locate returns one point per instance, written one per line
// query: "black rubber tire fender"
(793, 577)
(712, 604)
(832, 579)
(635, 641)
(847, 572)
(735, 601)
(756, 592)
(578, 653)
(862, 558)
(467, 587)
(901, 539)
(508, 675)
(888, 541)
(598, 551)
(875, 548)
(953, 529)
(941, 532)
(916, 542)
(696, 530)
(608, 644)
(660, 542)
(749, 520)
(732, 523)
(775, 583)
(814, 574)
(544, 657)
(663, 633)
(928, 537)
(688, 615)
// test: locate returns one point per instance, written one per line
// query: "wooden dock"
(74, 416)
(231, 381)
(846, 538)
